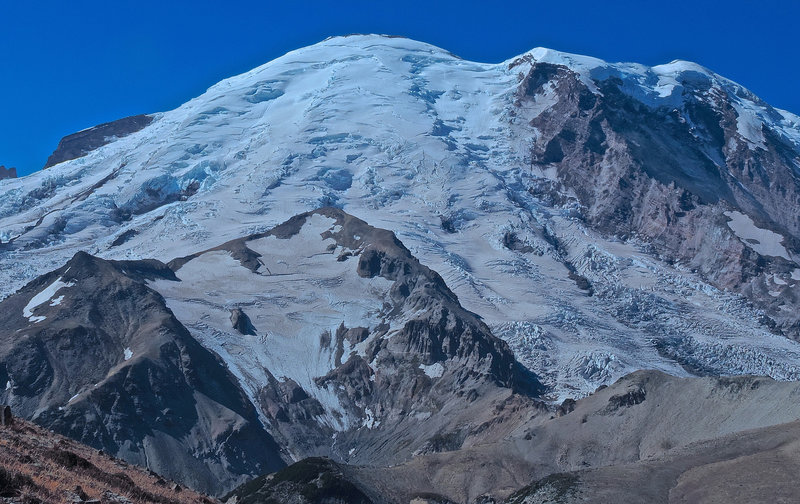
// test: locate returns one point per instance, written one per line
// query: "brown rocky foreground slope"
(39, 466)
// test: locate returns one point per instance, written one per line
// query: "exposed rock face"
(241, 322)
(675, 174)
(93, 353)
(6, 418)
(83, 142)
(7, 172)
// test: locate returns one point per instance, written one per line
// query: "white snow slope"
(299, 295)
(401, 134)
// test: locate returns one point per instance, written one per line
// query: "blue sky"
(70, 65)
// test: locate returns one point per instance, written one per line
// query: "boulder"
(6, 418)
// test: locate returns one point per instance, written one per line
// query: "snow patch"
(8, 385)
(128, 353)
(43, 297)
(435, 370)
(749, 125)
(370, 422)
(763, 241)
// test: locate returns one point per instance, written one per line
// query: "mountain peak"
(503, 180)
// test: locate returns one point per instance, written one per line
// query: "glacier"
(414, 139)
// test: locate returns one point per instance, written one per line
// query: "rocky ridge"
(7, 173)
(91, 352)
(678, 172)
(415, 369)
(85, 141)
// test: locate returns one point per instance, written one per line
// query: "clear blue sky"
(68, 65)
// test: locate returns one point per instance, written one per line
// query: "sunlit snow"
(435, 370)
(763, 241)
(43, 297)
(296, 302)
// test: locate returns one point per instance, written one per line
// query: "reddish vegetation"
(38, 466)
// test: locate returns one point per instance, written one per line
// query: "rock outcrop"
(6, 173)
(6, 418)
(85, 141)
(310, 481)
(241, 322)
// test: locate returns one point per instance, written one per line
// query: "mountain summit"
(598, 217)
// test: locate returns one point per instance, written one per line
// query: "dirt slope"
(39, 466)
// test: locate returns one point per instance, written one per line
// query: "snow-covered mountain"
(600, 218)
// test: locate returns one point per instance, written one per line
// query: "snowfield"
(298, 298)
(412, 139)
